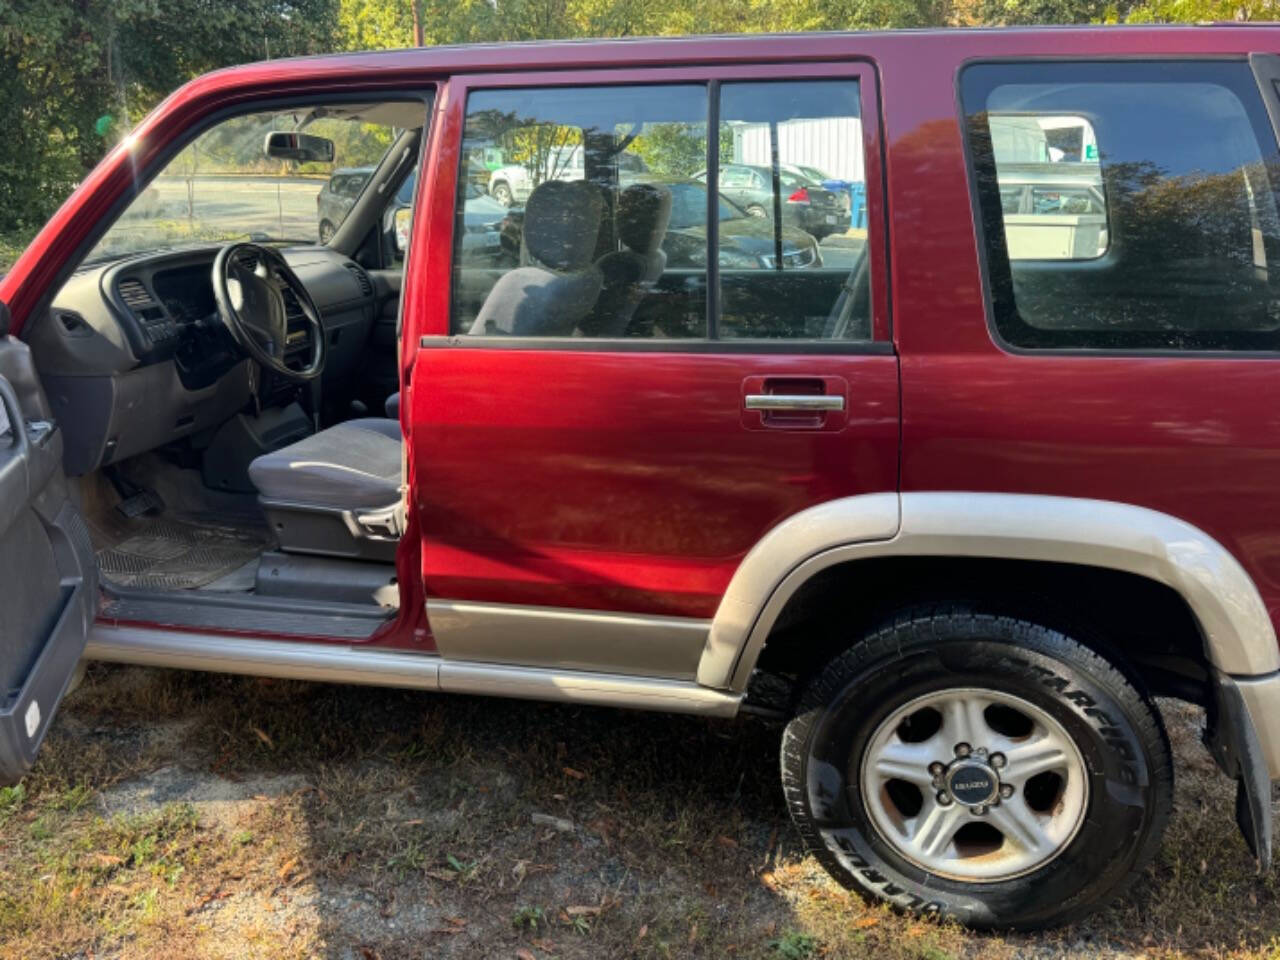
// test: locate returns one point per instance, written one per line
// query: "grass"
(189, 815)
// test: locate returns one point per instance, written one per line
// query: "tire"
(755, 210)
(326, 231)
(502, 193)
(1087, 827)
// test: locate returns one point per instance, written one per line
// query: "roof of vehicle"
(1222, 37)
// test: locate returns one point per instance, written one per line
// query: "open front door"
(48, 580)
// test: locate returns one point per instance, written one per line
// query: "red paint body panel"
(620, 480)
(531, 484)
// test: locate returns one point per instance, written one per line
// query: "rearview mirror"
(302, 147)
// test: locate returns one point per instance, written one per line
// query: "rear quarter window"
(1126, 205)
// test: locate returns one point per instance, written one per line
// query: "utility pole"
(417, 22)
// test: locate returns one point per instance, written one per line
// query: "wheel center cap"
(972, 783)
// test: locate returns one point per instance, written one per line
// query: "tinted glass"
(1148, 213)
(786, 265)
(577, 214)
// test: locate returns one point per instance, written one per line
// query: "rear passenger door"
(608, 416)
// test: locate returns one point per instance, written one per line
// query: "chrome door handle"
(794, 401)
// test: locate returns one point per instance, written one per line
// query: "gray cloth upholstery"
(561, 284)
(392, 406)
(644, 211)
(352, 465)
(561, 221)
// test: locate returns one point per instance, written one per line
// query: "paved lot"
(275, 206)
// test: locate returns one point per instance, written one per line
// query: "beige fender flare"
(1238, 635)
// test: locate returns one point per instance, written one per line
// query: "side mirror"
(302, 147)
(5, 319)
(403, 221)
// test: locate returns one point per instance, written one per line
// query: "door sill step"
(341, 663)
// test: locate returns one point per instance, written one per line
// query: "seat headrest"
(561, 223)
(644, 210)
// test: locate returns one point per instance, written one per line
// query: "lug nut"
(981, 751)
(997, 760)
(978, 811)
(943, 798)
(963, 749)
(1006, 790)
(936, 769)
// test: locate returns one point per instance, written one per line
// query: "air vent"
(362, 278)
(292, 308)
(73, 323)
(134, 294)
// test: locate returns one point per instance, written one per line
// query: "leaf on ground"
(644, 929)
(582, 911)
(288, 868)
(576, 774)
(863, 923)
(523, 954)
(726, 841)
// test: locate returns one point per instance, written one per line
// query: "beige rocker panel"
(1238, 635)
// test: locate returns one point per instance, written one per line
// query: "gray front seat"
(337, 492)
(560, 285)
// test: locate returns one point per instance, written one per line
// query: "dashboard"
(186, 293)
(133, 355)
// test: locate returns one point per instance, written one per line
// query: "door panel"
(628, 481)
(48, 580)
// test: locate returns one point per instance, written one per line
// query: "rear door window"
(1126, 205)
(612, 214)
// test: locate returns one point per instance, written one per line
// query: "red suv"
(954, 496)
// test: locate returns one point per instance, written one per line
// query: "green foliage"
(794, 945)
(75, 75)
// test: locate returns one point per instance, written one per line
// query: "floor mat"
(178, 555)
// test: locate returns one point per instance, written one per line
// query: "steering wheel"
(249, 285)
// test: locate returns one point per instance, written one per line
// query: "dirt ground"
(192, 815)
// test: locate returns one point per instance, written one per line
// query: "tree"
(76, 74)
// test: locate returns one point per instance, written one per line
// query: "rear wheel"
(502, 193)
(326, 231)
(755, 210)
(981, 767)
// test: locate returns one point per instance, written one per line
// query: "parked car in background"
(745, 242)
(844, 189)
(958, 505)
(337, 197)
(514, 182)
(804, 203)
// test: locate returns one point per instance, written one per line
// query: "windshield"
(224, 187)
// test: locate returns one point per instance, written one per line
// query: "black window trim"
(1265, 68)
(658, 344)
(706, 343)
